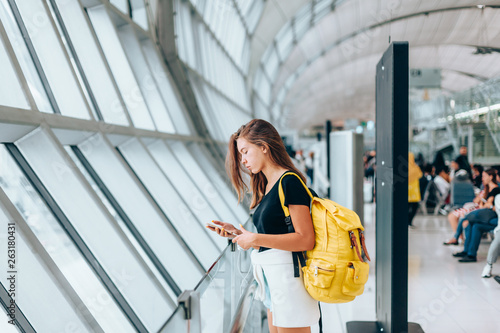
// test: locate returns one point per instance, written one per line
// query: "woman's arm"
(481, 204)
(301, 240)
(489, 202)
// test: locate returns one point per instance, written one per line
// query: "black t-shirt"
(493, 192)
(269, 217)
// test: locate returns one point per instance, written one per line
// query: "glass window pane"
(145, 79)
(217, 68)
(272, 64)
(167, 88)
(24, 58)
(121, 5)
(66, 42)
(303, 21)
(261, 111)
(205, 110)
(203, 182)
(222, 185)
(55, 64)
(180, 215)
(11, 92)
(276, 111)
(59, 246)
(123, 226)
(285, 41)
(244, 5)
(5, 327)
(139, 14)
(225, 23)
(259, 76)
(255, 14)
(139, 209)
(34, 286)
(264, 87)
(245, 57)
(90, 219)
(91, 60)
(184, 184)
(322, 5)
(120, 68)
(321, 9)
(184, 28)
(221, 116)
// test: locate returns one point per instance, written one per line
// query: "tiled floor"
(444, 295)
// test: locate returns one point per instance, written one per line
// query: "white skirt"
(291, 305)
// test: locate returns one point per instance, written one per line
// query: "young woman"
(257, 149)
(483, 200)
(481, 220)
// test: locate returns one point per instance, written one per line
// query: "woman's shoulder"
(291, 177)
(293, 182)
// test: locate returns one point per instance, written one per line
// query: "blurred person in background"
(477, 175)
(310, 168)
(463, 161)
(494, 250)
(442, 180)
(414, 196)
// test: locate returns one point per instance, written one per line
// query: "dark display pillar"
(391, 268)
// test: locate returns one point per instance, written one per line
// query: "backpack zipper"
(316, 268)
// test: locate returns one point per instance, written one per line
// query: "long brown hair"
(490, 172)
(261, 133)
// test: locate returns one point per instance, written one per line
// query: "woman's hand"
(225, 230)
(246, 239)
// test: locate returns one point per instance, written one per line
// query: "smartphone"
(218, 226)
(213, 225)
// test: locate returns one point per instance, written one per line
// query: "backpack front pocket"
(319, 274)
(355, 278)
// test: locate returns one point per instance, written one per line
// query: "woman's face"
(486, 178)
(253, 157)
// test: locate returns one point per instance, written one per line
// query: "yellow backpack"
(334, 271)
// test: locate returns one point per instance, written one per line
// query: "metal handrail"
(207, 273)
(243, 308)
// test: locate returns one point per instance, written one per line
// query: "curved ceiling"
(330, 72)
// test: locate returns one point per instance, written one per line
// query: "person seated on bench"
(456, 218)
(482, 221)
(494, 250)
(479, 221)
(482, 200)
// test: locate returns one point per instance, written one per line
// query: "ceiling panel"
(335, 60)
(347, 90)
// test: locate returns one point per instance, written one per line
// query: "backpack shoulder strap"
(282, 193)
(296, 256)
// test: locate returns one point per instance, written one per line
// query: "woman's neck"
(273, 174)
